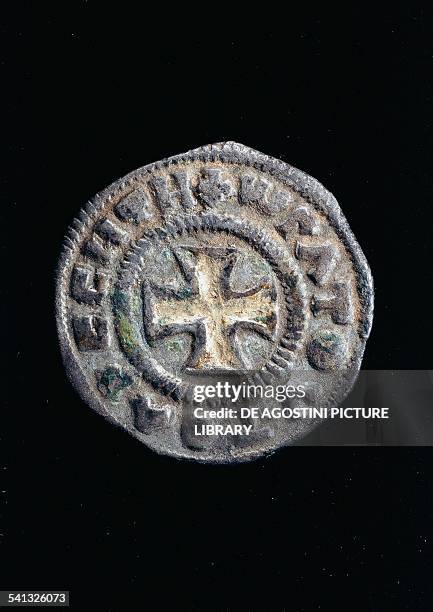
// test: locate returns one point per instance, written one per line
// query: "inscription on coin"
(221, 260)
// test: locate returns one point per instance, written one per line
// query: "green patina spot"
(328, 340)
(261, 266)
(126, 332)
(328, 336)
(174, 345)
(184, 293)
(136, 304)
(111, 381)
(119, 300)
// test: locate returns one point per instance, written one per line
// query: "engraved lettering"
(253, 190)
(110, 232)
(257, 191)
(167, 197)
(134, 207)
(301, 220)
(321, 260)
(91, 333)
(337, 306)
(94, 248)
(212, 188)
(88, 286)
(148, 416)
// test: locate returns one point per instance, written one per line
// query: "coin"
(221, 264)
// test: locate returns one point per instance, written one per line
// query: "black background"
(98, 91)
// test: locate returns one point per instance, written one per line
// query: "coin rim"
(231, 153)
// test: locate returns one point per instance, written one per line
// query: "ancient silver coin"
(220, 260)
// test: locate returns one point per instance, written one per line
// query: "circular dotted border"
(279, 261)
(231, 153)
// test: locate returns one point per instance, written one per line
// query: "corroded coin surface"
(218, 262)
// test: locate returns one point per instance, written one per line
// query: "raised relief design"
(327, 350)
(106, 232)
(148, 417)
(96, 250)
(88, 286)
(209, 267)
(172, 191)
(110, 232)
(134, 207)
(90, 332)
(337, 306)
(320, 259)
(209, 309)
(112, 381)
(258, 191)
(301, 221)
(212, 188)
